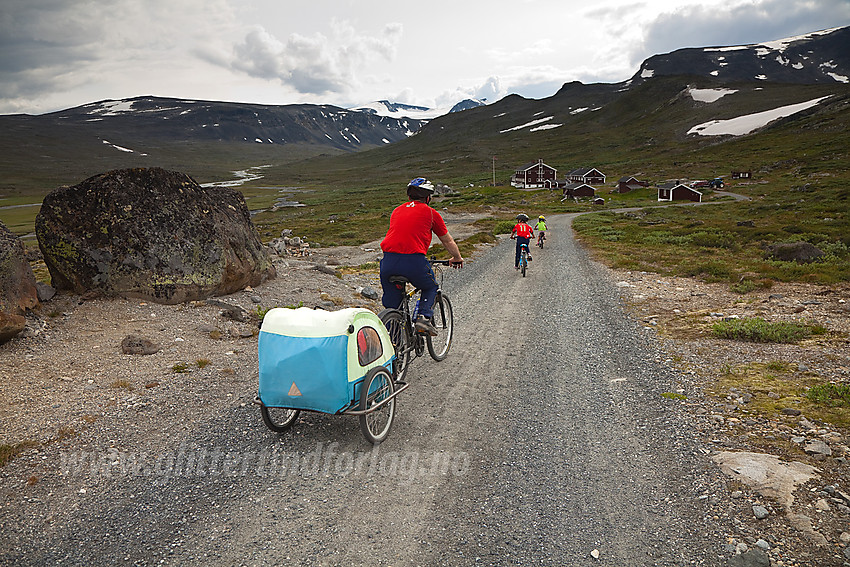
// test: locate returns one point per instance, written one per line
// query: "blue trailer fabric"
(315, 366)
(309, 359)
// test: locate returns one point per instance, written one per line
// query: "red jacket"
(523, 230)
(411, 225)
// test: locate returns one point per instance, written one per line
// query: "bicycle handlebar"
(433, 260)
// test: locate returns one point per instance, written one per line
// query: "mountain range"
(217, 137)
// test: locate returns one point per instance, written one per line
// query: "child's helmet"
(541, 217)
(522, 217)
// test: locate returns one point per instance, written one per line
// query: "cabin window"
(369, 348)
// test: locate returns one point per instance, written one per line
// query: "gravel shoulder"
(68, 390)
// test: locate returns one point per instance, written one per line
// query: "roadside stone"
(753, 558)
(133, 344)
(791, 411)
(762, 544)
(18, 292)
(229, 310)
(369, 293)
(760, 512)
(327, 270)
(817, 447)
(45, 292)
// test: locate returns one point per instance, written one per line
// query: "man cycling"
(523, 233)
(405, 251)
(540, 227)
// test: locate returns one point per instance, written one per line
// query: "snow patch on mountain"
(709, 95)
(781, 45)
(747, 123)
(398, 110)
(527, 124)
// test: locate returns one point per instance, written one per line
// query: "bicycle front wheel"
(438, 347)
(393, 320)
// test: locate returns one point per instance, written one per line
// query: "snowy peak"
(818, 57)
(156, 117)
(467, 104)
(400, 110)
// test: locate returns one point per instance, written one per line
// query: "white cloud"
(60, 53)
(316, 64)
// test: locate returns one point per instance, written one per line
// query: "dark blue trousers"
(417, 269)
(520, 240)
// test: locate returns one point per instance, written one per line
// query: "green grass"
(830, 394)
(758, 330)
(708, 243)
(777, 385)
(800, 187)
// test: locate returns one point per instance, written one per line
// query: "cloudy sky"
(56, 54)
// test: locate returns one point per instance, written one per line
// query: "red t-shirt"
(411, 225)
(523, 230)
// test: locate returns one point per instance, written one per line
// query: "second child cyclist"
(523, 233)
(540, 227)
(406, 247)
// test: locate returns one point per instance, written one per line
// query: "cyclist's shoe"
(530, 258)
(516, 267)
(425, 327)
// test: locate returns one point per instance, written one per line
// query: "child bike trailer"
(335, 362)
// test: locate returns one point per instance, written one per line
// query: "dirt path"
(534, 443)
(544, 437)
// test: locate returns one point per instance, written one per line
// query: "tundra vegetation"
(799, 190)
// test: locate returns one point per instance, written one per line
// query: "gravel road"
(543, 439)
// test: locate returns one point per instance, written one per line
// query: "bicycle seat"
(399, 279)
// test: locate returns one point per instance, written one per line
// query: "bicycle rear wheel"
(438, 347)
(393, 320)
(523, 262)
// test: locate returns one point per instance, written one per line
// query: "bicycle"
(409, 344)
(540, 238)
(523, 258)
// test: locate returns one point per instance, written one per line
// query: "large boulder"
(150, 233)
(17, 285)
(800, 252)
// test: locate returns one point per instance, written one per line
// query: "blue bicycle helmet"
(420, 188)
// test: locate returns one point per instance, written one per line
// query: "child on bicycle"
(405, 247)
(523, 233)
(540, 227)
